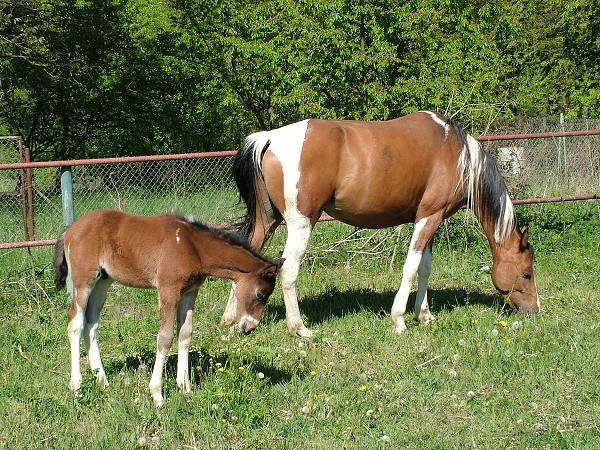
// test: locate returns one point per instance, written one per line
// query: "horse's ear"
(524, 238)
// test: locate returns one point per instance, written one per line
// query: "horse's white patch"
(177, 238)
(439, 121)
(286, 145)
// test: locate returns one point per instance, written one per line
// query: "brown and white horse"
(169, 253)
(419, 168)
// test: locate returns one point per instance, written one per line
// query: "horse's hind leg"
(421, 304)
(265, 225)
(82, 286)
(299, 230)
(90, 330)
(185, 312)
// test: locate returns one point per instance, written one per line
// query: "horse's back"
(369, 174)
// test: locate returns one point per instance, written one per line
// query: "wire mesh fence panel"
(203, 188)
(549, 167)
(12, 226)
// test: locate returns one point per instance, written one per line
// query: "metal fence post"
(68, 210)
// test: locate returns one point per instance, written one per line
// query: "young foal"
(419, 168)
(168, 253)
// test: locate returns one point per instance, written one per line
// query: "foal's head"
(512, 273)
(252, 291)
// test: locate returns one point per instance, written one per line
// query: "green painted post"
(68, 210)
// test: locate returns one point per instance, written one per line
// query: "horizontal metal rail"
(130, 159)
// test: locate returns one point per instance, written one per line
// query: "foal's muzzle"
(248, 325)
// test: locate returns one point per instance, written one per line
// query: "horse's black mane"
(227, 232)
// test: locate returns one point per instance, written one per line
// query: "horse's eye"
(260, 295)
(527, 275)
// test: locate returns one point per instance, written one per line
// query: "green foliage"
(123, 77)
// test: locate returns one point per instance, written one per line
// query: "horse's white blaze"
(439, 121)
(177, 238)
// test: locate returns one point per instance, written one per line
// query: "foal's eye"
(260, 295)
(527, 275)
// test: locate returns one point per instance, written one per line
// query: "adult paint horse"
(168, 253)
(419, 168)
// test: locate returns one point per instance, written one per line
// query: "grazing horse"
(419, 168)
(167, 253)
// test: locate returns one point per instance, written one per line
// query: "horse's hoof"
(399, 325)
(158, 400)
(426, 318)
(304, 332)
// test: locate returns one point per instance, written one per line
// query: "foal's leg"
(424, 231)
(90, 329)
(299, 229)
(421, 304)
(185, 312)
(167, 299)
(82, 286)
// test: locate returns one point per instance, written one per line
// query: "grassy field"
(477, 377)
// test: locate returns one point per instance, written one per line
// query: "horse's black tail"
(61, 269)
(247, 172)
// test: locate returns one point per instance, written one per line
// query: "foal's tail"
(247, 171)
(61, 269)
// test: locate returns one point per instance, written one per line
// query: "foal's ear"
(524, 238)
(271, 271)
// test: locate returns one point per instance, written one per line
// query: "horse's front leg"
(164, 340)
(422, 312)
(185, 312)
(417, 259)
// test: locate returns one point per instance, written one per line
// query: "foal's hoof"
(158, 400)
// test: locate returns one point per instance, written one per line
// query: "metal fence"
(202, 184)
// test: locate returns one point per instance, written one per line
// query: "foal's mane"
(227, 233)
(485, 190)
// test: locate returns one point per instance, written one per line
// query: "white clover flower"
(470, 394)
(452, 373)
(385, 438)
(494, 332)
(462, 342)
(260, 375)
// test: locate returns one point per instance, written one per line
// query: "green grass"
(477, 377)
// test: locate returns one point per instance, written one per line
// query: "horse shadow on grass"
(202, 363)
(337, 303)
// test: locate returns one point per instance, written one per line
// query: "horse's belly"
(370, 216)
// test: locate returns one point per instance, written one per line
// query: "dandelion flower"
(503, 323)
(240, 369)
(313, 372)
(363, 388)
